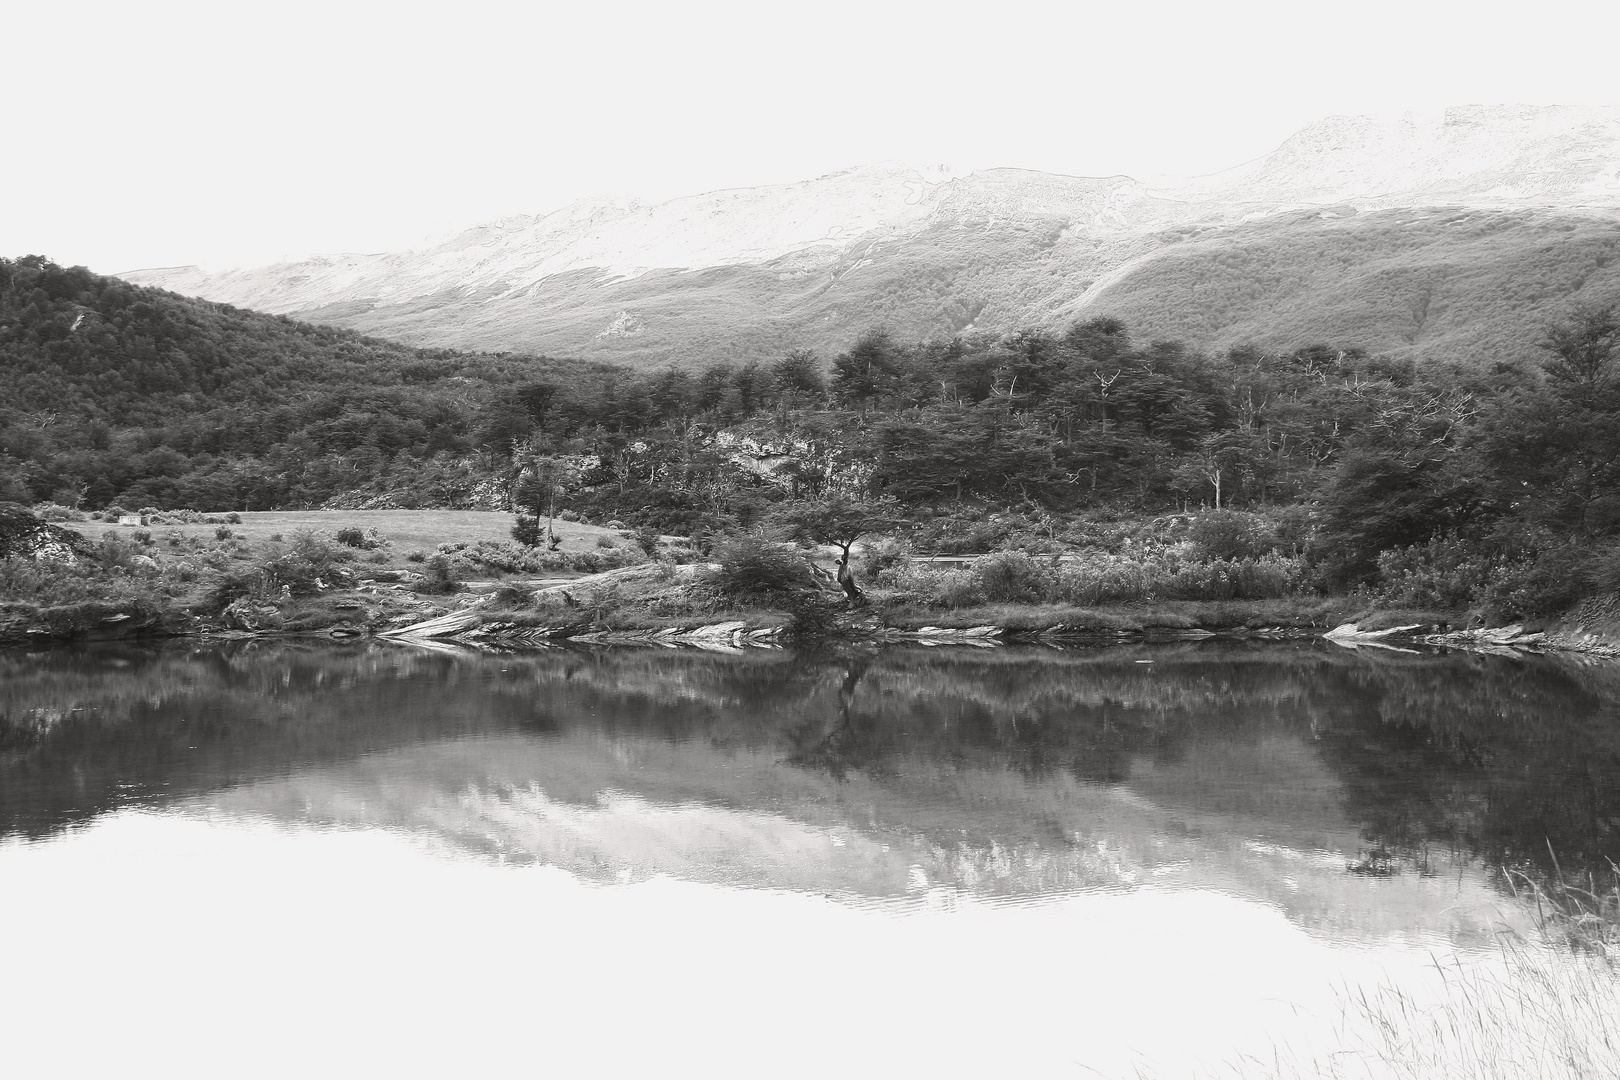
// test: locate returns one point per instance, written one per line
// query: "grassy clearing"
(406, 530)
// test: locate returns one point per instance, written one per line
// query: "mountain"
(1452, 236)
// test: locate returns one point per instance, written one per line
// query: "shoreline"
(353, 615)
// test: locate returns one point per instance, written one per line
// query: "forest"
(1444, 479)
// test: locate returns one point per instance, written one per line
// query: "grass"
(1530, 1013)
(407, 530)
(1547, 1007)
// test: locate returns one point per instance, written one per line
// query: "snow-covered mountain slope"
(1280, 250)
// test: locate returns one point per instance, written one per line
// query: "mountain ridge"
(811, 264)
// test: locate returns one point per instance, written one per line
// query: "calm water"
(283, 860)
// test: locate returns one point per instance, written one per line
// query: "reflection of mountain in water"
(1005, 772)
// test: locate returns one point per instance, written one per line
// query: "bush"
(223, 533)
(50, 511)
(882, 555)
(309, 564)
(606, 541)
(1446, 572)
(113, 552)
(934, 588)
(1230, 534)
(646, 538)
(1540, 586)
(415, 556)
(438, 577)
(527, 531)
(233, 518)
(1012, 577)
(50, 583)
(367, 540)
(756, 570)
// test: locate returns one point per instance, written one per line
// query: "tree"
(870, 370)
(1583, 346)
(799, 372)
(542, 478)
(840, 520)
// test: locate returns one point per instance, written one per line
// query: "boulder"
(24, 536)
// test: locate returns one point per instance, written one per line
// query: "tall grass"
(1533, 1013)
(1543, 1008)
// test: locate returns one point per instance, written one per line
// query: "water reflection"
(1364, 795)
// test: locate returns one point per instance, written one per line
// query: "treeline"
(1370, 466)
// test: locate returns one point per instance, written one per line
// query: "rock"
(24, 536)
(1349, 632)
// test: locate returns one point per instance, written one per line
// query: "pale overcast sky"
(158, 134)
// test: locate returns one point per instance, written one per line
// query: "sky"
(147, 134)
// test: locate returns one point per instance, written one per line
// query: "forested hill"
(119, 394)
(112, 390)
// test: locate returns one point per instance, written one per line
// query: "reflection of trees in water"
(1506, 760)
(1493, 757)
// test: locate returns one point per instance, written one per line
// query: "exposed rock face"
(24, 536)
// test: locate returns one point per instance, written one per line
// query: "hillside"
(1309, 243)
(114, 391)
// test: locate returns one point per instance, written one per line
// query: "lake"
(279, 858)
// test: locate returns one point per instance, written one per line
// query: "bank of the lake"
(449, 575)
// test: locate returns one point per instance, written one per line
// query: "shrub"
(646, 538)
(1012, 577)
(233, 518)
(50, 511)
(223, 533)
(438, 577)
(1230, 534)
(310, 563)
(527, 531)
(1445, 572)
(881, 555)
(1540, 586)
(351, 535)
(378, 557)
(934, 588)
(605, 541)
(513, 596)
(113, 552)
(756, 570)
(275, 538)
(415, 556)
